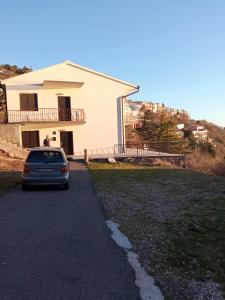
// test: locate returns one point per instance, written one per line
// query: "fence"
(46, 115)
(154, 147)
(135, 150)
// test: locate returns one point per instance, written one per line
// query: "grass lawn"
(176, 222)
(10, 173)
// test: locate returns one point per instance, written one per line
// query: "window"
(28, 102)
(30, 139)
(46, 157)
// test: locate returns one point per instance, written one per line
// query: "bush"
(206, 163)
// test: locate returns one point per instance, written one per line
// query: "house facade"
(78, 108)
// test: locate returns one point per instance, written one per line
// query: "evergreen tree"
(167, 129)
(150, 127)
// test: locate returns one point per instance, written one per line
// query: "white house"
(75, 106)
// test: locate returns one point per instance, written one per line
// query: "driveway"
(54, 245)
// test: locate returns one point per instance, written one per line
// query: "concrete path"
(54, 245)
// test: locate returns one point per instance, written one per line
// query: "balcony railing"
(46, 115)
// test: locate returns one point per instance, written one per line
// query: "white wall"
(48, 129)
(98, 97)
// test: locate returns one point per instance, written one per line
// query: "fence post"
(86, 158)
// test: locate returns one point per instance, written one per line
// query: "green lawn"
(176, 222)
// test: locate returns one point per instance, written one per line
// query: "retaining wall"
(10, 133)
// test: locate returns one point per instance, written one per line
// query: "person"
(46, 141)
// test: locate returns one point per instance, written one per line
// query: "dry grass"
(206, 163)
(176, 222)
(10, 172)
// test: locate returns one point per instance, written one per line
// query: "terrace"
(46, 115)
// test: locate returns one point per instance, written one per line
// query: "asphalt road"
(54, 245)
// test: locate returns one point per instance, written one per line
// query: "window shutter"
(23, 101)
(35, 102)
(28, 102)
(32, 102)
(30, 139)
(25, 139)
(34, 138)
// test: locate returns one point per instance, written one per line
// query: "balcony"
(46, 115)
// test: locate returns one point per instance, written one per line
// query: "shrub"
(206, 163)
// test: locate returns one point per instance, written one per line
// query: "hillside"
(7, 71)
(206, 155)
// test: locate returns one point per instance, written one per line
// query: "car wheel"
(25, 187)
(66, 186)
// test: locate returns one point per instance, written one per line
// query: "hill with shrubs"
(161, 129)
(7, 71)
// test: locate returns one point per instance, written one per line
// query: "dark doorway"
(64, 105)
(30, 139)
(66, 139)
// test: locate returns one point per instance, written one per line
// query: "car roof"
(46, 149)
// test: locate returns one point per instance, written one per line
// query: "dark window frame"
(30, 138)
(41, 156)
(28, 101)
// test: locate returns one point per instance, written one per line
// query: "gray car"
(46, 166)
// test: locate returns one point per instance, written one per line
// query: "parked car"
(46, 166)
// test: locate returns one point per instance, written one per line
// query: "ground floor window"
(30, 139)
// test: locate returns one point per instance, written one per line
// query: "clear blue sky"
(174, 49)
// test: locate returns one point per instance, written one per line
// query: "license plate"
(42, 170)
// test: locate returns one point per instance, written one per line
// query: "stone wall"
(10, 133)
(13, 150)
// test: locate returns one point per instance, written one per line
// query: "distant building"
(126, 106)
(132, 114)
(154, 107)
(136, 105)
(180, 133)
(131, 107)
(180, 126)
(199, 132)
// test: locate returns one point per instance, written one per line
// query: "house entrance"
(66, 140)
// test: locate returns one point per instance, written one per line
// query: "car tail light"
(65, 169)
(26, 170)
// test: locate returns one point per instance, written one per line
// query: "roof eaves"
(101, 74)
(8, 80)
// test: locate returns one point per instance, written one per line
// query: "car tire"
(66, 186)
(25, 187)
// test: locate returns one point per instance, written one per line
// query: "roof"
(67, 62)
(42, 148)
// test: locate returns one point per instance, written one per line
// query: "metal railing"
(157, 149)
(46, 115)
(150, 149)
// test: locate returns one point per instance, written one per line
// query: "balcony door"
(64, 105)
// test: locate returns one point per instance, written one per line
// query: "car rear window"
(45, 157)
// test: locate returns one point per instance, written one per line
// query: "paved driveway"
(54, 245)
